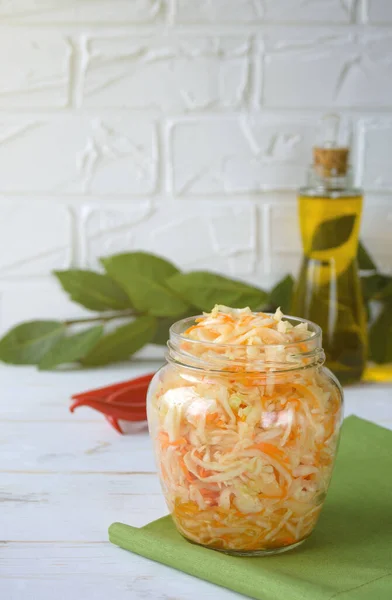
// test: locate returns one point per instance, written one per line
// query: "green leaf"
(161, 335)
(333, 233)
(376, 287)
(143, 276)
(372, 285)
(162, 331)
(72, 348)
(380, 337)
(365, 261)
(203, 290)
(282, 293)
(121, 343)
(93, 290)
(368, 311)
(385, 290)
(27, 343)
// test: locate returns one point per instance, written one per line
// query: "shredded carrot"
(204, 472)
(188, 331)
(305, 392)
(211, 417)
(165, 442)
(271, 450)
(188, 475)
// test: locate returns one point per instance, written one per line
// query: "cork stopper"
(331, 162)
(330, 153)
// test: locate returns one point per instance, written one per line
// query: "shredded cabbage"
(245, 457)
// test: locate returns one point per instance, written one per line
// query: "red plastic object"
(126, 400)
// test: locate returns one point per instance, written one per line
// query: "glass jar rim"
(306, 359)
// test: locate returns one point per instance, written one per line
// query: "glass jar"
(245, 448)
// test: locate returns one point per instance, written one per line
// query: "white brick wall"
(182, 127)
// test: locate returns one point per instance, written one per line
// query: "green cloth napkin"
(349, 556)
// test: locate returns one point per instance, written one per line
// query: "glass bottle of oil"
(328, 288)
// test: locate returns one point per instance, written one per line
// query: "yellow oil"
(328, 289)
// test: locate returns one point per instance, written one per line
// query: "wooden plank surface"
(99, 571)
(72, 446)
(31, 395)
(64, 478)
(76, 506)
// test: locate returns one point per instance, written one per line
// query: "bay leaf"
(380, 337)
(281, 295)
(333, 233)
(365, 261)
(143, 277)
(203, 290)
(375, 287)
(28, 342)
(121, 343)
(384, 293)
(161, 335)
(72, 348)
(368, 311)
(94, 291)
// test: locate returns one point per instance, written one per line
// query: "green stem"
(103, 318)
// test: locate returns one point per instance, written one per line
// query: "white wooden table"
(64, 478)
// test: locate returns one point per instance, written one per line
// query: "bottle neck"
(339, 185)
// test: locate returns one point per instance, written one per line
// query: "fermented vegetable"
(245, 423)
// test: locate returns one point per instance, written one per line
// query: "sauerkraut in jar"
(245, 421)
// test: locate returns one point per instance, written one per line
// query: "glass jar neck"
(231, 358)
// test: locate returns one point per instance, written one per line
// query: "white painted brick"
(332, 68)
(286, 247)
(193, 237)
(376, 141)
(379, 11)
(75, 154)
(38, 73)
(170, 73)
(310, 11)
(109, 231)
(79, 11)
(376, 231)
(35, 300)
(246, 153)
(291, 60)
(225, 226)
(34, 238)
(218, 11)
(245, 11)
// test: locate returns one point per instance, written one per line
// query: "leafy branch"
(146, 294)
